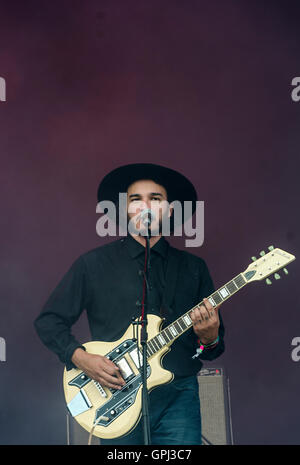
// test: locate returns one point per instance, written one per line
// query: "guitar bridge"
(100, 389)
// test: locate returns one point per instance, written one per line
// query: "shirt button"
(141, 272)
(138, 303)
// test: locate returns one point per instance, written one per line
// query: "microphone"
(147, 216)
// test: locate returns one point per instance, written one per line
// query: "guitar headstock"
(268, 264)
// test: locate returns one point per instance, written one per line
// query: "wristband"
(213, 343)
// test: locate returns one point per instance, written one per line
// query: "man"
(108, 283)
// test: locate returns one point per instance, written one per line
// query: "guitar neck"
(169, 334)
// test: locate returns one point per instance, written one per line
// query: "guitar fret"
(164, 334)
(211, 300)
(177, 327)
(217, 298)
(169, 334)
(151, 345)
(161, 339)
(182, 324)
(157, 341)
(239, 281)
(155, 344)
(173, 331)
(224, 293)
(187, 320)
(231, 287)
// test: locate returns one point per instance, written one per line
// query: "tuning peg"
(268, 281)
(271, 247)
(262, 253)
(285, 271)
(253, 259)
(277, 276)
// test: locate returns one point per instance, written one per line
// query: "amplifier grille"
(215, 406)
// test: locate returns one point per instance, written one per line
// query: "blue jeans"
(174, 411)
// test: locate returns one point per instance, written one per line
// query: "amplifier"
(215, 407)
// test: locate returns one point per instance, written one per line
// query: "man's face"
(144, 194)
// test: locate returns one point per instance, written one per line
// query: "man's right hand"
(99, 368)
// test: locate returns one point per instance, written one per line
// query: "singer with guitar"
(107, 282)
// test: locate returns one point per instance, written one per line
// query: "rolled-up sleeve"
(62, 310)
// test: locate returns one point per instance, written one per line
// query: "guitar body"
(120, 410)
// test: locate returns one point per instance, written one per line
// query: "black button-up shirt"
(107, 282)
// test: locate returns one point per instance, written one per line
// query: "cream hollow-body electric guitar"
(109, 413)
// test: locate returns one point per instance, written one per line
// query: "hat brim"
(178, 187)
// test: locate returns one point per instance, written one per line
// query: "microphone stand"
(144, 339)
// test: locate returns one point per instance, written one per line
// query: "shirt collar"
(135, 248)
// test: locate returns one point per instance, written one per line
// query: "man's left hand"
(206, 322)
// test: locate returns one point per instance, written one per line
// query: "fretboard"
(168, 335)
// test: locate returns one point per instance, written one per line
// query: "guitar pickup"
(79, 404)
(137, 358)
(125, 369)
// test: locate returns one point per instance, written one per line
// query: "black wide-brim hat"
(178, 187)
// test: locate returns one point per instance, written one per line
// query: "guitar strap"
(173, 262)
